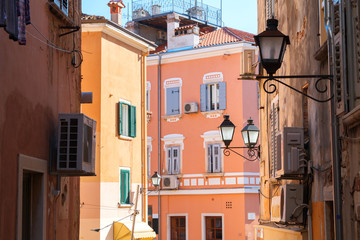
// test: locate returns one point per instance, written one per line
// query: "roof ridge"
(232, 33)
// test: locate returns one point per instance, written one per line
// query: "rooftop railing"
(192, 8)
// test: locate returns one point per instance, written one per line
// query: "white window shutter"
(222, 97)
(203, 98)
(217, 158)
(169, 167)
(209, 158)
(176, 160)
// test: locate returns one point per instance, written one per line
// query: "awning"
(142, 231)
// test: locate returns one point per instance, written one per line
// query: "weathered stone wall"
(37, 82)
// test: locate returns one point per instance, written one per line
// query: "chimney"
(180, 37)
(115, 10)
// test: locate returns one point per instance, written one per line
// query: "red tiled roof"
(224, 35)
(220, 36)
(186, 27)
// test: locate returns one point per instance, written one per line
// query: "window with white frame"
(127, 119)
(213, 93)
(212, 225)
(173, 147)
(213, 152)
(214, 158)
(173, 159)
(173, 96)
(178, 226)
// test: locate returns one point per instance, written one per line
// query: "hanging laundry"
(11, 19)
(2, 13)
(23, 20)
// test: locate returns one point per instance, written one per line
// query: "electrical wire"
(272, 195)
(321, 170)
(99, 229)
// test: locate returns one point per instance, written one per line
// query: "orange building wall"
(241, 103)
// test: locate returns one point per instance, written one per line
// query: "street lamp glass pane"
(227, 132)
(271, 47)
(253, 137)
(245, 137)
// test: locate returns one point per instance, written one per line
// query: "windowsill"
(60, 14)
(126, 138)
(206, 175)
(124, 205)
(321, 53)
(213, 114)
(172, 118)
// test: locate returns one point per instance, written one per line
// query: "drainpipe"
(143, 136)
(159, 144)
(335, 147)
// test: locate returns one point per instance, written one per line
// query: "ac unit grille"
(68, 144)
(167, 182)
(187, 107)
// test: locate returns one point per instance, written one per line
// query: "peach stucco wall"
(112, 70)
(241, 103)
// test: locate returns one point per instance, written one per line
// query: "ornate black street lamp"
(272, 46)
(250, 134)
(155, 179)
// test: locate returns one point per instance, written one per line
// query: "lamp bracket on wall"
(254, 152)
(74, 29)
(320, 89)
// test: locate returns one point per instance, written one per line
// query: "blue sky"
(239, 14)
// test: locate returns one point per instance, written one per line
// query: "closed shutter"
(203, 98)
(274, 121)
(173, 101)
(216, 157)
(120, 119)
(125, 186)
(132, 121)
(209, 154)
(176, 160)
(222, 97)
(169, 165)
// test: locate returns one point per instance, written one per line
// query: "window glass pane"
(217, 96)
(125, 119)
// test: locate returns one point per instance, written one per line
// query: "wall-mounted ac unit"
(247, 62)
(288, 206)
(76, 145)
(170, 182)
(276, 209)
(191, 107)
(289, 147)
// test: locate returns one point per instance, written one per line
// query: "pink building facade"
(204, 194)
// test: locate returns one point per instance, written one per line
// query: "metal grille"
(195, 9)
(68, 143)
(228, 205)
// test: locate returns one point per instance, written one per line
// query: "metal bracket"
(75, 29)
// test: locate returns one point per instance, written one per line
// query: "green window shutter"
(132, 121)
(125, 186)
(120, 120)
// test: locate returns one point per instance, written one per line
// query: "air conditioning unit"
(290, 144)
(191, 107)
(276, 209)
(76, 145)
(161, 35)
(288, 207)
(170, 182)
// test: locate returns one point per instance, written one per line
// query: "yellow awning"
(142, 231)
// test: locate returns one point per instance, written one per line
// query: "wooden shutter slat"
(222, 97)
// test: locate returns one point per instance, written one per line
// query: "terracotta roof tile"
(220, 36)
(90, 17)
(224, 35)
(185, 27)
